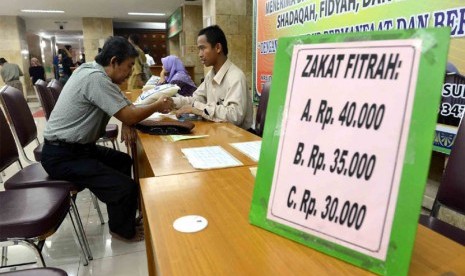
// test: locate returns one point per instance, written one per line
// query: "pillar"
(95, 32)
(235, 19)
(14, 48)
(192, 24)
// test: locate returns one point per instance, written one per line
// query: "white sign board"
(341, 155)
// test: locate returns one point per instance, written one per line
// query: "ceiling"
(48, 24)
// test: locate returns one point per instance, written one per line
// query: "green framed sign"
(349, 136)
(175, 23)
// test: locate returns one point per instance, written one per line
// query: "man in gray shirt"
(10, 74)
(87, 102)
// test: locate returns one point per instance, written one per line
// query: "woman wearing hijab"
(174, 72)
(36, 71)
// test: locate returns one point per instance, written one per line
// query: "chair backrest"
(8, 151)
(261, 110)
(55, 88)
(45, 97)
(451, 192)
(19, 114)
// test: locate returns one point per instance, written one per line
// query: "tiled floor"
(111, 256)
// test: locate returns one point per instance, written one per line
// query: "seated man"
(87, 102)
(223, 96)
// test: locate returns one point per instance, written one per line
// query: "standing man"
(10, 74)
(148, 57)
(223, 96)
(91, 96)
(137, 78)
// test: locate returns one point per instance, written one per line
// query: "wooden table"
(231, 246)
(158, 156)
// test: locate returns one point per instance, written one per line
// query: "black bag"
(151, 126)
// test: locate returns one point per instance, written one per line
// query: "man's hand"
(128, 135)
(187, 109)
(165, 104)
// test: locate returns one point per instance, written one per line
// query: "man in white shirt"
(150, 60)
(223, 96)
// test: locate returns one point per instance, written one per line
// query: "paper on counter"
(176, 138)
(251, 149)
(210, 157)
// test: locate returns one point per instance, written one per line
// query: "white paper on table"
(176, 138)
(251, 149)
(210, 157)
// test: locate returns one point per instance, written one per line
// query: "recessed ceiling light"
(146, 13)
(44, 11)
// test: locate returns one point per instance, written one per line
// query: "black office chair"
(34, 176)
(55, 88)
(451, 192)
(20, 116)
(45, 97)
(261, 110)
(37, 272)
(29, 216)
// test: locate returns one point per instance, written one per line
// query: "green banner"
(175, 23)
(283, 18)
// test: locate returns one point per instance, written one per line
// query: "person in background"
(223, 96)
(87, 102)
(36, 71)
(83, 58)
(64, 65)
(69, 53)
(56, 69)
(137, 78)
(68, 50)
(174, 72)
(10, 73)
(451, 68)
(148, 57)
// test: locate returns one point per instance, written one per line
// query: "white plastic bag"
(155, 93)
